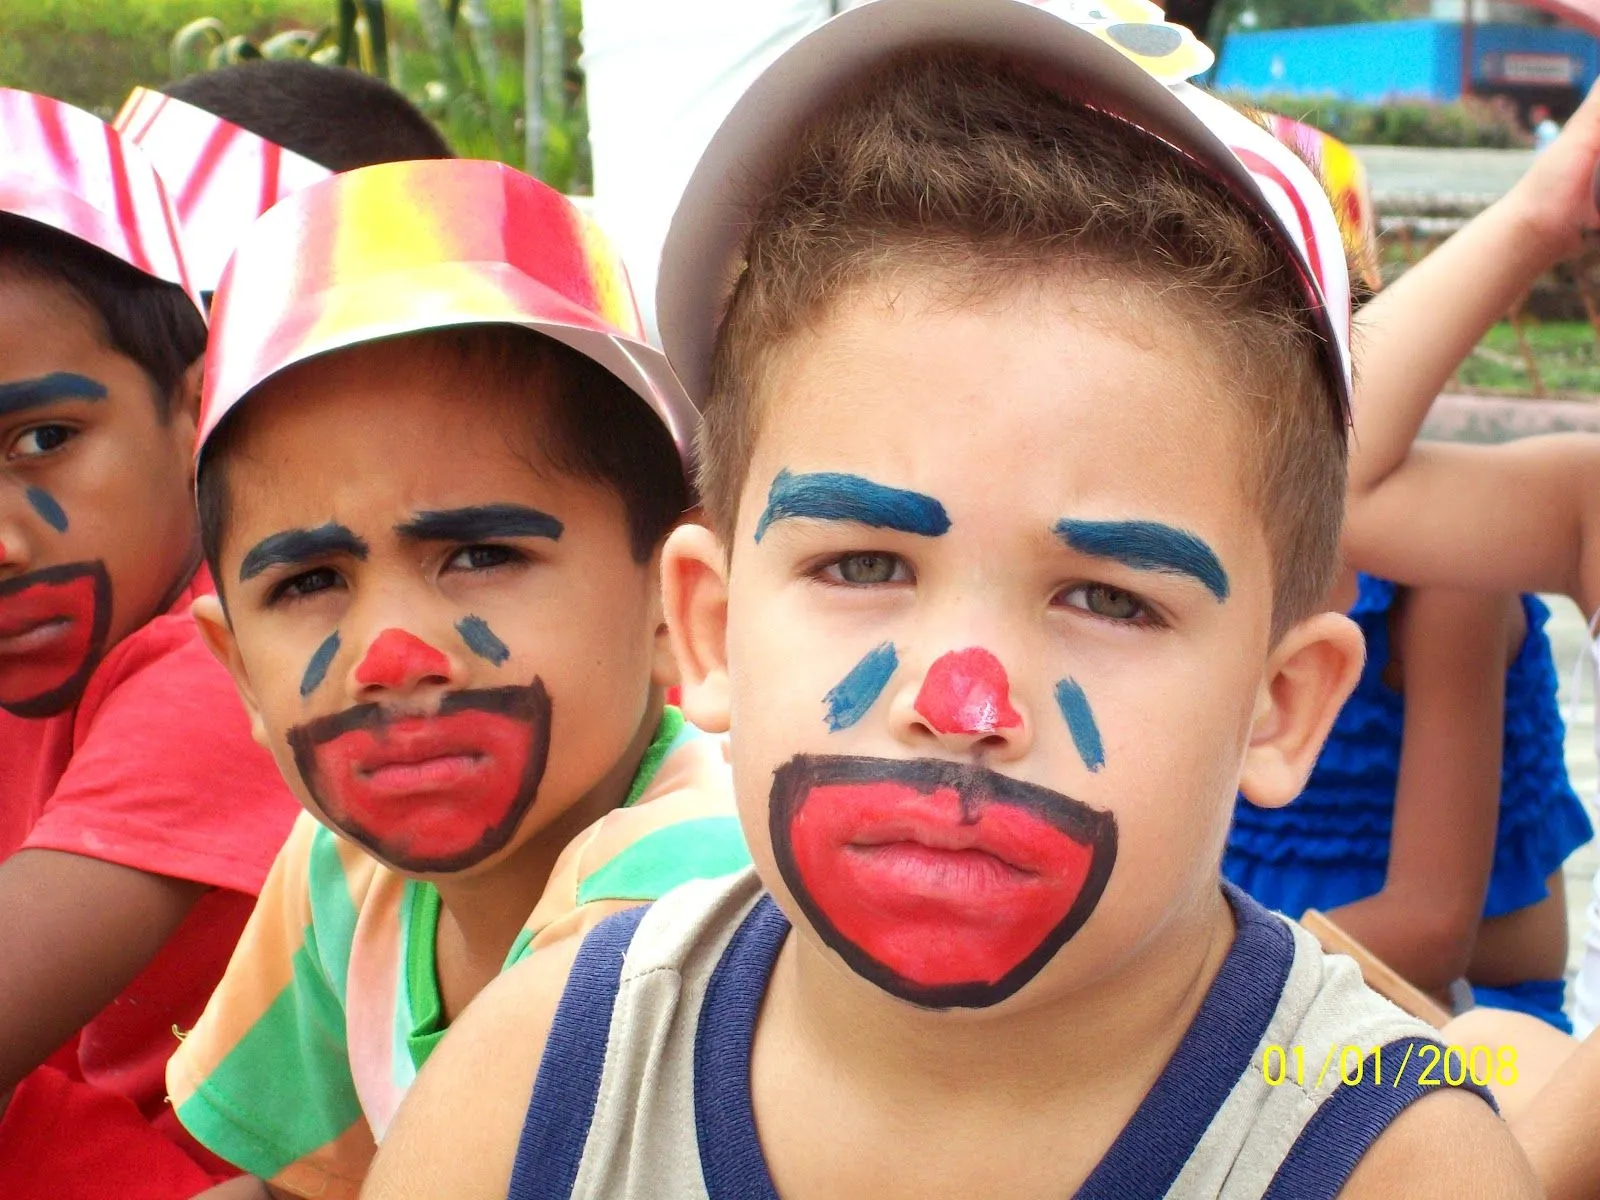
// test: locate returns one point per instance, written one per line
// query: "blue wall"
(1392, 58)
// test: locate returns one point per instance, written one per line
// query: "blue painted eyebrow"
(833, 496)
(54, 388)
(1147, 546)
(294, 546)
(480, 523)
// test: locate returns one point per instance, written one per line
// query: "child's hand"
(1556, 199)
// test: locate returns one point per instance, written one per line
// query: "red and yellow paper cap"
(68, 169)
(1119, 56)
(1345, 180)
(401, 248)
(221, 177)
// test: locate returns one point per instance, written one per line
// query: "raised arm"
(1508, 518)
(457, 1132)
(1412, 335)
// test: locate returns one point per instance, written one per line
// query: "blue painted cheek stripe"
(317, 668)
(1074, 706)
(480, 639)
(857, 692)
(45, 505)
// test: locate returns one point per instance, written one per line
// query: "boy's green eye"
(307, 583)
(481, 558)
(1114, 604)
(870, 568)
(42, 439)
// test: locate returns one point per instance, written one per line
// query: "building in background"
(1514, 50)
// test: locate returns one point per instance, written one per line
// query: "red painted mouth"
(430, 794)
(53, 626)
(946, 884)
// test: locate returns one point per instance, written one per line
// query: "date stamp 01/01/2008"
(1425, 1064)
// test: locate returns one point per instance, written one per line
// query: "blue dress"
(1331, 846)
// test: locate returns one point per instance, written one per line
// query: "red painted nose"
(397, 658)
(966, 691)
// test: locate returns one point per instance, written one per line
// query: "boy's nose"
(397, 659)
(15, 555)
(966, 697)
(17, 521)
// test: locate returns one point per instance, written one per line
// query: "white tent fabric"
(660, 79)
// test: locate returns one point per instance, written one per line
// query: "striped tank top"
(644, 1089)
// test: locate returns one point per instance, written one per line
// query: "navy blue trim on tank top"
(731, 1160)
(567, 1087)
(1213, 1056)
(1322, 1158)
(1146, 1157)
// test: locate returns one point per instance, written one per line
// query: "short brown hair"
(955, 162)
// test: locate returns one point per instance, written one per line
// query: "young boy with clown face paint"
(436, 464)
(137, 819)
(1022, 458)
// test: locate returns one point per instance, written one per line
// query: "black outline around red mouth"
(529, 704)
(67, 693)
(793, 782)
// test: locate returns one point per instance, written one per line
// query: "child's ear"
(1309, 675)
(183, 408)
(186, 392)
(663, 666)
(217, 634)
(694, 592)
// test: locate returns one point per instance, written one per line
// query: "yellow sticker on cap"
(1139, 31)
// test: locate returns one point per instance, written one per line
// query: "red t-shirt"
(154, 769)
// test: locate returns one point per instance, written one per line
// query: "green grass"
(1566, 353)
(93, 52)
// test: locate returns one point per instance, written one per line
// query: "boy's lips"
(25, 636)
(430, 794)
(946, 884)
(53, 627)
(417, 755)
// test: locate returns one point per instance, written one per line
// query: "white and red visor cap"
(67, 169)
(221, 176)
(1118, 56)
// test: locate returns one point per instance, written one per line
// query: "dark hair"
(597, 429)
(142, 318)
(339, 118)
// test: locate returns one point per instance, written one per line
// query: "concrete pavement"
(1478, 177)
